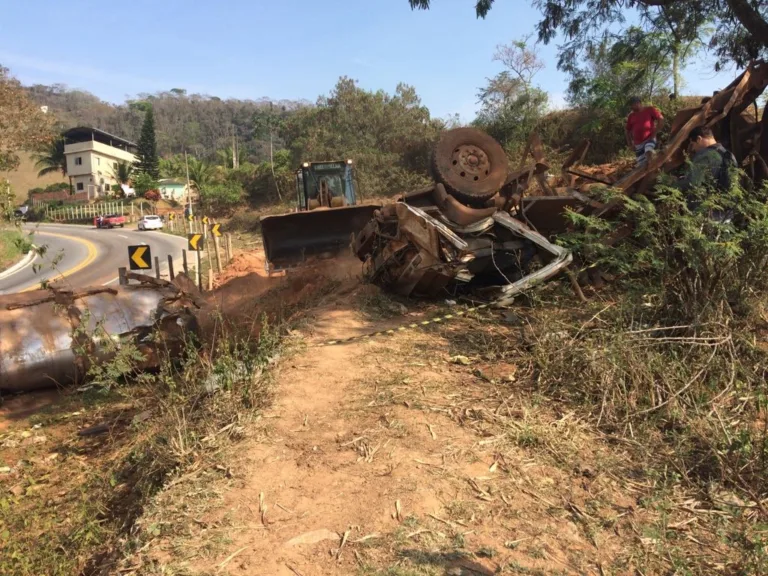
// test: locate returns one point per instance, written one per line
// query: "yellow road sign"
(190, 218)
(171, 216)
(205, 220)
(216, 229)
(140, 257)
(195, 242)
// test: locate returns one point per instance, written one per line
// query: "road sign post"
(199, 271)
(196, 243)
(171, 275)
(217, 249)
(140, 257)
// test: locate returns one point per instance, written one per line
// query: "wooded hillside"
(198, 123)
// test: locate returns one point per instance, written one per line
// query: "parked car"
(150, 223)
(109, 221)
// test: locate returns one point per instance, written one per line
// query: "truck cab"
(325, 185)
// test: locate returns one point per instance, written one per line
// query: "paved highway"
(81, 256)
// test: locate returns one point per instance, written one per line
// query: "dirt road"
(414, 454)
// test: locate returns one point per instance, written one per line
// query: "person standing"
(711, 167)
(643, 124)
(710, 164)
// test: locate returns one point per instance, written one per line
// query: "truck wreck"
(54, 337)
(455, 238)
(483, 229)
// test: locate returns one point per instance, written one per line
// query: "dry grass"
(533, 448)
(25, 178)
(627, 490)
(75, 503)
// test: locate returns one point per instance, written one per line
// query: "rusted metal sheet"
(458, 212)
(546, 214)
(52, 337)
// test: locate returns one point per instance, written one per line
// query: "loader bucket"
(291, 239)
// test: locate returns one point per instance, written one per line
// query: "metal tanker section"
(51, 337)
(35, 344)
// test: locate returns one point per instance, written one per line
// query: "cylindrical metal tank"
(51, 337)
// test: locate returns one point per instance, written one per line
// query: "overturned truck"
(483, 229)
(457, 236)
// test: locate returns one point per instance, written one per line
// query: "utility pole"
(189, 188)
(235, 160)
(271, 158)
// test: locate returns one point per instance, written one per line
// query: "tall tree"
(511, 105)
(740, 27)
(51, 158)
(23, 125)
(147, 149)
(635, 64)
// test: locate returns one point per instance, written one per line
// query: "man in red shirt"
(643, 123)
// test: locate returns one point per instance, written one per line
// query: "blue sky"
(294, 49)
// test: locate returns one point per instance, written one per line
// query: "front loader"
(326, 219)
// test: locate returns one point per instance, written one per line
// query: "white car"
(150, 223)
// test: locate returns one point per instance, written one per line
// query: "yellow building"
(92, 158)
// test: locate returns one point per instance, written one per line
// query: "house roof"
(84, 133)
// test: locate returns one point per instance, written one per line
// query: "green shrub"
(222, 198)
(676, 354)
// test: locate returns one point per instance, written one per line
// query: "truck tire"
(470, 164)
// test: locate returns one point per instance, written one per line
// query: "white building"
(92, 158)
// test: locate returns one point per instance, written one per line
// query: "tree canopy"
(23, 125)
(388, 136)
(511, 105)
(739, 27)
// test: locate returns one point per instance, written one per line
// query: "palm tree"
(224, 157)
(172, 167)
(52, 159)
(123, 172)
(200, 173)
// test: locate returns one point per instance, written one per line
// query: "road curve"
(80, 256)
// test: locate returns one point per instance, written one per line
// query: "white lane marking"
(123, 236)
(111, 281)
(22, 264)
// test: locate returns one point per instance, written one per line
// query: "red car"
(109, 221)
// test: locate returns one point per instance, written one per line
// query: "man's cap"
(635, 100)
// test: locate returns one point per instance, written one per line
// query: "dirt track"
(414, 457)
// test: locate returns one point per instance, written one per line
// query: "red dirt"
(362, 430)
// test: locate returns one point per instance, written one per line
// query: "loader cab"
(325, 185)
